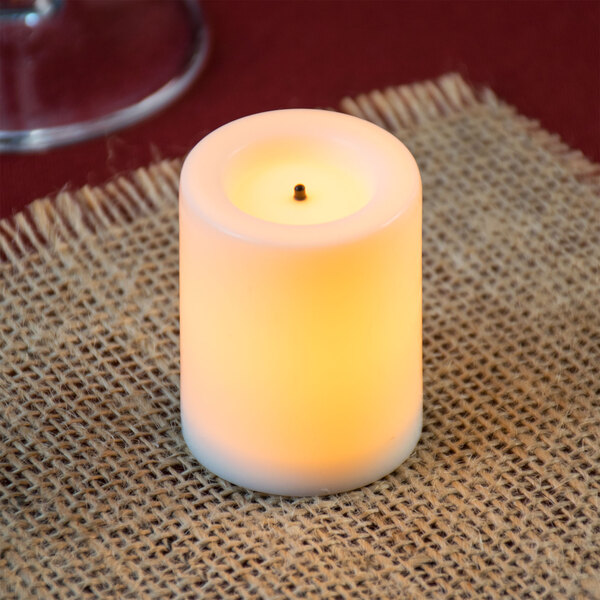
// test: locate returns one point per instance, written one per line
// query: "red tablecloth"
(543, 57)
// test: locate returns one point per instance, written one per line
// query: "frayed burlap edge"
(52, 224)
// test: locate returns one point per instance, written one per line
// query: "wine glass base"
(90, 68)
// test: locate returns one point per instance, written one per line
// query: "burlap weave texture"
(99, 495)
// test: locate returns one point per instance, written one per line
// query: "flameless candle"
(300, 302)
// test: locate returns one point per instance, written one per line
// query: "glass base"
(75, 69)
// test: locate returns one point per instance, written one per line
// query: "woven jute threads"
(99, 495)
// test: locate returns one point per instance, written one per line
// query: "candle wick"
(299, 192)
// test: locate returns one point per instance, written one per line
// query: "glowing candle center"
(259, 179)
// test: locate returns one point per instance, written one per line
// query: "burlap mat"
(501, 497)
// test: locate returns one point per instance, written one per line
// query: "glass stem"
(29, 11)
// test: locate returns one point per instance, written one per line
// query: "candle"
(300, 302)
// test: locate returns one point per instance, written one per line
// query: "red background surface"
(542, 56)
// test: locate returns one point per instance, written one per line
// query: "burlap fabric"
(100, 496)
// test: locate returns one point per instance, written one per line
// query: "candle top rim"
(391, 165)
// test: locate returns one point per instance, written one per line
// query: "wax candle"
(300, 302)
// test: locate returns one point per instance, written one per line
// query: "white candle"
(300, 319)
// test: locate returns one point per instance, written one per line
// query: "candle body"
(301, 359)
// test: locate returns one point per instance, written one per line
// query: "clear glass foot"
(75, 69)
